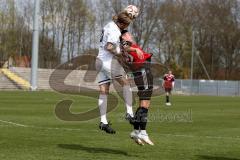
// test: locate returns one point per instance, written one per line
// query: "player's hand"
(139, 53)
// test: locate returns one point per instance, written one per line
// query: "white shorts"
(108, 71)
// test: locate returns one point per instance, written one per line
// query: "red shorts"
(168, 90)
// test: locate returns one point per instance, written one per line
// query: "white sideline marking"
(28, 126)
(72, 129)
(16, 124)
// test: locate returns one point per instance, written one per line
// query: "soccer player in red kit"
(168, 85)
(139, 64)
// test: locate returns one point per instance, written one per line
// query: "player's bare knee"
(104, 89)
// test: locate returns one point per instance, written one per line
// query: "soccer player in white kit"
(110, 69)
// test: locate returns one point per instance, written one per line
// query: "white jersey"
(110, 33)
(109, 67)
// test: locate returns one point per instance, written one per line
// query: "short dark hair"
(124, 31)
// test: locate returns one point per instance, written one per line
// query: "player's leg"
(102, 102)
(118, 73)
(168, 92)
(144, 82)
(104, 84)
(136, 128)
(142, 116)
(127, 95)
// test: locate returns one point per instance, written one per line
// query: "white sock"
(136, 131)
(143, 132)
(127, 95)
(102, 104)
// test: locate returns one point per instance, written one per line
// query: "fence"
(182, 86)
(208, 87)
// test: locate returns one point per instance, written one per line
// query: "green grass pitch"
(194, 127)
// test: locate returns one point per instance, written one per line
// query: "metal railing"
(208, 87)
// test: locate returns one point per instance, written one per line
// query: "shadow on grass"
(94, 149)
(205, 157)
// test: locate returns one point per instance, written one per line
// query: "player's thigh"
(103, 77)
(144, 84)
(143, 79)
(138, 79)
(118, 73)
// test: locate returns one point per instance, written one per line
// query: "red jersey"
(135, 56)
(137, 63)
(168, 80)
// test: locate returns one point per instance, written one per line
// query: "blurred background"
(69, 28)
